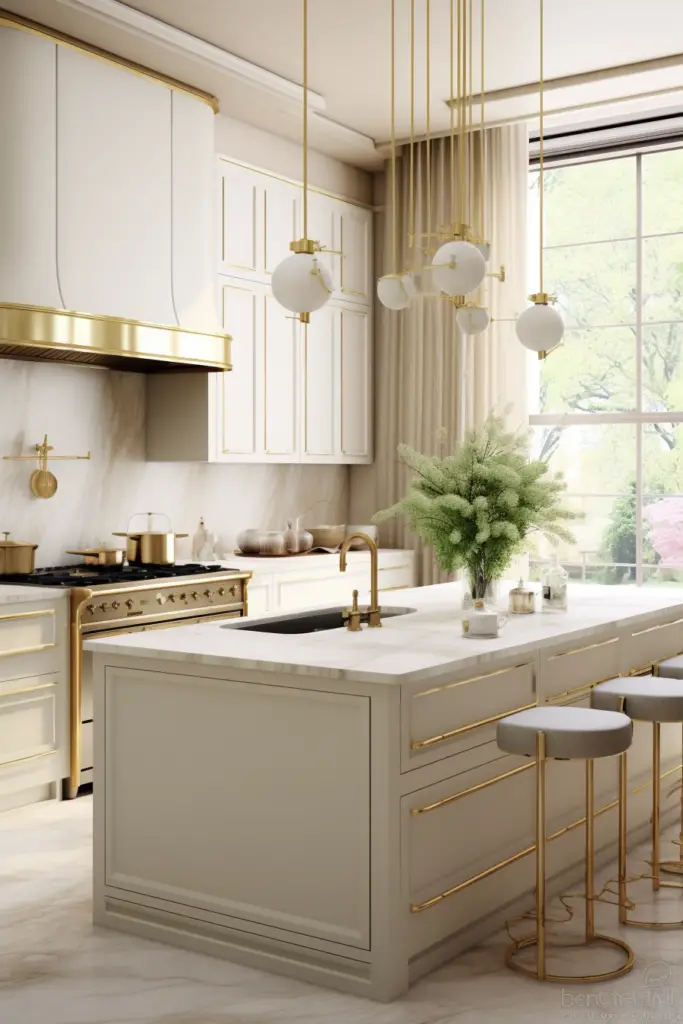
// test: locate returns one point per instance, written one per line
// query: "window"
(609, 401)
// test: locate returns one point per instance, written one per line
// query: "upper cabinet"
(296, 393)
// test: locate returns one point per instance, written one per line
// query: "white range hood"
(106, 206)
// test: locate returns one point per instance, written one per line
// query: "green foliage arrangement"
(477, 506)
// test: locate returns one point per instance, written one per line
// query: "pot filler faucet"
(354, 616)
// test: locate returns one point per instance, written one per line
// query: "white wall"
(241, 141)
(83, 408)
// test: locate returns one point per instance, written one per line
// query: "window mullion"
(639, 368)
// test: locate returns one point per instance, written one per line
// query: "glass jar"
(554, 579)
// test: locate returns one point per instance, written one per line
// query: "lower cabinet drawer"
(27, 725)
(642, 647)
(566, 672)
(396, 577)
(462, 713)
(28, 643)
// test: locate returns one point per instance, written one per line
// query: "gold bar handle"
(452, 733)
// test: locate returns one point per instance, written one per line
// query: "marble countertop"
(315, 560)
(12, 594)
(420, 645)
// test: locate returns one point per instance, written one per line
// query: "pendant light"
(473, 319)
(394, 290)
(540, 327)
(301, 283)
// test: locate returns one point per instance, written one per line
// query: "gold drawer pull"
(473, 679)
(579, 650)
(473, 789)
(28, 757)
(27, 650)
(420, 744)
(662, 625)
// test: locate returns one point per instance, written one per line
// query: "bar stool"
(565, 733)
(672, 668)
(654, 699)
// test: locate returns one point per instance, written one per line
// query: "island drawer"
(28, 723)
(566, 672)
(28, 643)
(461, 713)
(644, 645)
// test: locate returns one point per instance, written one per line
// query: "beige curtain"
(427, 376)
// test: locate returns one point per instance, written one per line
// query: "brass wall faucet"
(373, 612)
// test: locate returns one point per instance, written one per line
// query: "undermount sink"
(308, 622)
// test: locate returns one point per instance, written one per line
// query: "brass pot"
(17, 557)
(101, 556)
(150, 546)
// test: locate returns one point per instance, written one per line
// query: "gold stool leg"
(675, 867)
(623, 790)
(540, 853)
(590, 850)
(656, 758)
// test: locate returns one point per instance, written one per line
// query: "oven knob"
(103, 607)
(233, 590)
(90, 609)
(128, 604)
(183, 597)
(161, 599)
(115, 606)
(171, 598)
(208, 594)
(194, 595)
(221, 591)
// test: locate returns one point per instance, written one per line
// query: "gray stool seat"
(672, 668)
(646, 698)
(569, 732)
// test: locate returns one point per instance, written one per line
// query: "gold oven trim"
(11, 20)
(104, 337)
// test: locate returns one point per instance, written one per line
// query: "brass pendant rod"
(394, 230)
(305, 153)
(461, 90)
(482, 175)
(540, 148)
(452, 91)
(411, 172)
(428, 141)
(470, 133)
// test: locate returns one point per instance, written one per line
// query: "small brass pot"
(100, 556)
(16, 557)
(150, 548)
(521, 600)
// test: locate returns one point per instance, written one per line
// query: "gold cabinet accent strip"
(472, 679)
(662, 625)
(15, 616)
(28, 615)
(27, 650)
(421, 744)
(28, 689)
(473, 789)
(28, 757)
(109, 337)
(578, 691)
(416, 908)
(16, 21)
(579, 650)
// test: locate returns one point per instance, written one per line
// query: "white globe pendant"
(473, 319)
(540, 327)
(396, 292)
(459, 268)
(301, 283)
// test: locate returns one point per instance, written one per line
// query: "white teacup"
(483, 623)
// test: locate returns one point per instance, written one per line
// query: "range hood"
(106, 205)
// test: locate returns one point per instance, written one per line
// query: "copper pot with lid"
(147, 542)
(17, 557)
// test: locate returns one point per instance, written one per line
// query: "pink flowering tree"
(665, 519)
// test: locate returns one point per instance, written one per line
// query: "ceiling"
(349, 46)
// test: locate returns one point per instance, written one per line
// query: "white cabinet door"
(281, 221)
(323, 222)
(356, 385)
(321, 386)
(237, 425)
(354, 234)
(280, 376)
(241, 221)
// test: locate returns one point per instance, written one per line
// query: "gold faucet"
(373, 612)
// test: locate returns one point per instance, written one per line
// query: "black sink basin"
(307, 622)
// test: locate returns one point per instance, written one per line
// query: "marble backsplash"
(87, 409)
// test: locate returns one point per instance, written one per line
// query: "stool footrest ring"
(570, 979)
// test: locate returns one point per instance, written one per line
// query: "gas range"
(106, 575)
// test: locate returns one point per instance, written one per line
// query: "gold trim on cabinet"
(28, 615)
(28, 689)
(249, 291)
(28, 757)
(293, 181)
(403, 586)
(452, 733)
(473, 789)
(577, 691)
(16, 21)
(662, 625)
(589, 647)
(472, 679)
(41, 613)
(23, 327)
(252, 268)
(27, 650)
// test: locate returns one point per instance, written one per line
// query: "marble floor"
(56, 968)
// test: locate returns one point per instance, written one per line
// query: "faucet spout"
(374, 616)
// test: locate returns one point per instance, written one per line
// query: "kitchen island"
(333, 805)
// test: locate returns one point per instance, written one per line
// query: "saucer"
(481, 636)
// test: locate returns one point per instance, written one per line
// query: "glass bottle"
(554, 580)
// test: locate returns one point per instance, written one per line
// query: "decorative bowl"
(372, 531)
(327, 536)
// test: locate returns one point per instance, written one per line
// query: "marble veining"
(86, 408)
(57, 968)
(426, 643)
